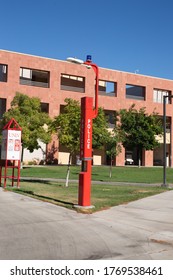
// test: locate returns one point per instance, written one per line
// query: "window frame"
(103, 88)
(158, 96)
(4, 75)
(138, 95)
(28, 76)
(73, 83)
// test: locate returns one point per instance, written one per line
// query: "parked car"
(129, 161)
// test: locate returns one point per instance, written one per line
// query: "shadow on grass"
(43, 181)
(31, 193)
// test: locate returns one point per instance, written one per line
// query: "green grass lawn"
(101, 173)
(103, 195)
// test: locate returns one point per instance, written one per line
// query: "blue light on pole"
(89, 58)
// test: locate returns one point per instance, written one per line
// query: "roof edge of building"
(37, 56)
(137, 74)
(104, 68)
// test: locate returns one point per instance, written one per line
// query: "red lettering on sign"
(14, 135)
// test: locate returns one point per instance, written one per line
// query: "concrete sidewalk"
(32, 229)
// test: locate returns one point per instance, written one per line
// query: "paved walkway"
(32, 229)
(38, 179)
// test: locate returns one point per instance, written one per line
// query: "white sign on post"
(11, 144)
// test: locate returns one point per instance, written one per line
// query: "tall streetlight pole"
(87, 116)
(164, 139)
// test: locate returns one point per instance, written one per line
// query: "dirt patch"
(161, 241)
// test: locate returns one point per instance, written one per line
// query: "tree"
(139, 129)
(113, 147)
(67, 125)
(35, 124)
(100, 130)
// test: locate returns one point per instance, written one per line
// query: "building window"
(107, 88)
(158, 96)
(3, 73)
(111, 118)
(2, 107)
(45, 107)
(33, 77)
(135, 92)
(72, 83)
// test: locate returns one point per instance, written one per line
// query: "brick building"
(54, 80)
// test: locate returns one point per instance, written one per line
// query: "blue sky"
(126, 35)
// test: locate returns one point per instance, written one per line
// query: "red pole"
(87, 115)
(18, 174)
(85, 151)
(13, 173)
(5, 173)
(96, 70)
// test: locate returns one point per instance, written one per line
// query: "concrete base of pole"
(165, 185)
(84, 209)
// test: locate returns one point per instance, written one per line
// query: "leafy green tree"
(113, 147)
(35, 124)
(67, 125)
(139, 129)
(100, 130)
